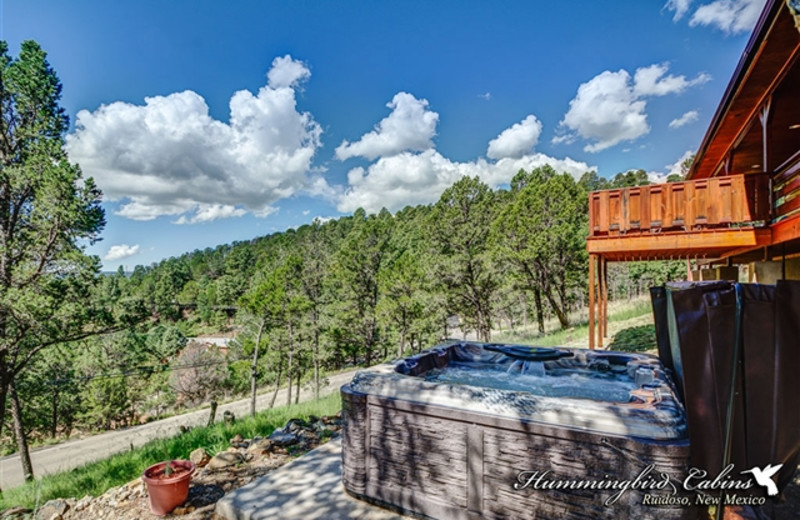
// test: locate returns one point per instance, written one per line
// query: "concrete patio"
(307, 488)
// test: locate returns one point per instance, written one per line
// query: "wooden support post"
(600, 309)
(783, 261)
(591, 301)
(764, 118)
(605, 298)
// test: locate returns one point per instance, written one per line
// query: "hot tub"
(456, 431)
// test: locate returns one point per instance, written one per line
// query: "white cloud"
(674, 168)
(407, 178)
(517, 140)
(730, 16)
(610, 108)
(210, 212)
(486, 95)
(286, 72)
(396, 180)
(121, 251)
(170, 157)
(650, 81)
(677, 165)
(410, 126)
(607, 111)
(689, 117)
(679, 6)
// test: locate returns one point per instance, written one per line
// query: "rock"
(15, 512)
(282, 438)
(239, 442)
(123, 494)
(52, 510)
(259, 447)
(83, 503)
(225, 459)
(199, 457)
(180, 510)
(295, 425)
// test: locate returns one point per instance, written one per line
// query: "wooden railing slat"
(684, 205)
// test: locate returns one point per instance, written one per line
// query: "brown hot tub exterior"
(445, 462)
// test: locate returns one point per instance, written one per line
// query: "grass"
(635, 339)
(97, 477)
(621, 315)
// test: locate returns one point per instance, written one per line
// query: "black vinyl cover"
(771, 359)
(658, 298)
(702, 336)
(766, 417)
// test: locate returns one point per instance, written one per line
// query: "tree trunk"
(22, 438)
(537, 302)
(212, 414)
(277, 383)
(316, 355)
(254, 370)
(297, 389)
(289, 367)
(563, 319)
(54, 415)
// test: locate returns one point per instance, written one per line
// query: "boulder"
(13, 513)
(52, 510)
(199, 457)
(282, 438)
(239, 442)
(259, 447)
(225, 459)
(295, 425)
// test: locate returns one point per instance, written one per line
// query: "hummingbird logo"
(764, 477)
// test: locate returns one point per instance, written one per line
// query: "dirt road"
(75, 453)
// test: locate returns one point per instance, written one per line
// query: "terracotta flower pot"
(167, 492)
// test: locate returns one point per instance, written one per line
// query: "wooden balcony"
(702, 218)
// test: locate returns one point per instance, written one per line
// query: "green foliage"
(635, 339)
(459, 225)
(48, 214)
(355, 281)
(540, 234)
(630, 178)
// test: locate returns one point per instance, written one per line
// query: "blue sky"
(209, 122)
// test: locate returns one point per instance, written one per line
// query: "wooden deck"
(701, 218)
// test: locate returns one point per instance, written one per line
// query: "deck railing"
(690, 205)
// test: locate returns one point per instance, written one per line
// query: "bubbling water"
(533, 377)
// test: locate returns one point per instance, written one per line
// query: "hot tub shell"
(455, 451)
